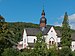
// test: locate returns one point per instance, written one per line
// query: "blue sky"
(30, 10)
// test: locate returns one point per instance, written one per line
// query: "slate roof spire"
(43, 13)
(43, 19)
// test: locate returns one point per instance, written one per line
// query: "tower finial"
(43, 5)
(43, 13)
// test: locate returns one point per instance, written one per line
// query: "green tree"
(65, 51)
(3, 43)
(40, 48)
(52, 52)
(26, 52)
(5, 37)
(10, 52)
(66, 32)
(73, 53)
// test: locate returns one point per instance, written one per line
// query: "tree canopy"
(66, 32)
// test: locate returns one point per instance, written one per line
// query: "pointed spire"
(43, 5)
(43, 13)
(43, 19)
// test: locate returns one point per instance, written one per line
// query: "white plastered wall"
(51, 34)
(73, 45)
(31, 39)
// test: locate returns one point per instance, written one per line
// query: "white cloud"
(57, 24)
(72, 21)
(72, 18)
(72, 26)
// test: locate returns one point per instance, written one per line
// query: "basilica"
(51, 35)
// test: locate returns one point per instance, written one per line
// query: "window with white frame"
(51, 41)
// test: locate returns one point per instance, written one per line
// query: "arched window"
(51, 41)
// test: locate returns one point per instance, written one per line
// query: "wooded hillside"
(11, 33)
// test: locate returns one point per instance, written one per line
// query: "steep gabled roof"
(32, 31)
(35, 31)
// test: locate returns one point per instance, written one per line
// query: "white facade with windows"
(51, 35)
(51, 38)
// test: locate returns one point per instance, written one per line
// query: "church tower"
(43, 20)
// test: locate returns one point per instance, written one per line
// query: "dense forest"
(11, 33)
